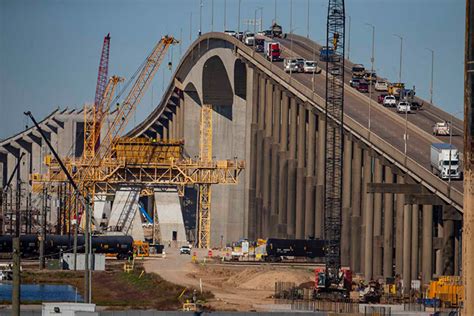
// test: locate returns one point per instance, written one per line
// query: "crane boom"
(334, 141)
(103, 73)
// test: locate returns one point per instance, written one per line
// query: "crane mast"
(334, 140)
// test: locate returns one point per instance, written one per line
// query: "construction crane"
(334, 144)
(93, 117)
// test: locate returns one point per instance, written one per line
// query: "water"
(41, 292)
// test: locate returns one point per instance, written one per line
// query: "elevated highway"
(275, 121)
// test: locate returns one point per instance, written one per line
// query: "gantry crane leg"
(204, 235)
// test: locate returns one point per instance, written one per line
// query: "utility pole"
(190, 27)
(42, 236)
(212, 15)
(275, 17)
(200, 18)
(74, 247)
(87, 247)
(16, 277)
(468, 229)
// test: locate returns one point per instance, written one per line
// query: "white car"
(441, 128)
(291, 65)
(403, 107)
(381, 86)
(310, 66)
(231, 33)
(389, 100)
(335, 71)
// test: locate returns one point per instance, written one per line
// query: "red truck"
(272, 50)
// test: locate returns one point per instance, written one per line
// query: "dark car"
(354, 82)
(416, 105)
(381, 97)
(363, 86)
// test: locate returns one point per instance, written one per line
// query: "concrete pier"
(388, 228)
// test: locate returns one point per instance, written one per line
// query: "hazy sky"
(50, 50)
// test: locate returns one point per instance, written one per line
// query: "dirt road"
(235, 288)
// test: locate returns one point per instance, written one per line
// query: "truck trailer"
(272, 50)
(445, 161)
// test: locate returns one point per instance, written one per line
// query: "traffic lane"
(418, 148)
(424, 120)
(432, 111)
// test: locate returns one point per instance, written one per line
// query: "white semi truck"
(445, 161)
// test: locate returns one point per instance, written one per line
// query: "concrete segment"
(367, 218)
(170, 218)
(292, 164)
(300, 173)
(309, 179)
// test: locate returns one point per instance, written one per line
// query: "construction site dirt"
(235, 287)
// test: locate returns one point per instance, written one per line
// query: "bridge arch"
(240, 79)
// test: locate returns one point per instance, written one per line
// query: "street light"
(307, 21)
(432, 72)
(255, 27)
(349, 37)
(238, 20)
(405, 136)
(372, 60)
(450, 149)
(200, 18)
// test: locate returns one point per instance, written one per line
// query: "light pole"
(405, 135)
(432, 73)
(212, 15)
(372, 60)
(349, 37)
(255, 27)
(225, 15)
(261, 18)
(200, 18)
(291, 26)
(238, 19)
(275, 17)
(190, 27)
(307, 21)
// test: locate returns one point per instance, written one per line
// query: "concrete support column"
(267, 145)
(399, 213)
(346, 202)
(274, 163)
(283, 168)
(407, 244)
(388, 228)
(415, 250)
(368, 218)
(291, 205)
(309, 180)
(320, 158)
(448, 247)
(457, 247)
(260, 157)
(300, 172)
(355, 205)
(252, 217)
(377, 243)
(439, 252)
(427, 247)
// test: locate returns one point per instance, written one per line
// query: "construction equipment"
(449, 290)
(334, 148)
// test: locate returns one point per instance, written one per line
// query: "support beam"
(300, 173)
(399, 213)
(291, 205)
(415, 250)
(368, 214)
(283, 168)
(377, 259)
(407, 244)
(309, 179)
(319, 216)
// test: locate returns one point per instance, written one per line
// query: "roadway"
(384, 126)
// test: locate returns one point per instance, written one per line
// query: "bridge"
(398, 217)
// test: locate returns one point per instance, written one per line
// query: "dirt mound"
(264, 279)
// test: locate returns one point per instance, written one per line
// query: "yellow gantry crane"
(145, 163)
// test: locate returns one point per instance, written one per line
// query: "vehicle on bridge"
(327, 54)
(394, 88)
(381, 85)
(403, 107)
(441, 128)
(231, 33)
(358, 71)
(311, 66)
(389, 100)
(276, 30)
(249, 39)
(371, 77)
(272, 50)
(291, 65)
(445, 161)
(363, 86)
(259, 42)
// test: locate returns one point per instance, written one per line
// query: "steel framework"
(334, 139)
